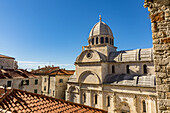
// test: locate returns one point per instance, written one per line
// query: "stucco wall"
(16, 83)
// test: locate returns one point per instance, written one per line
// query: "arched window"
(144, 106)
(110, 41)
(113, 69)
(93, 41)
(145, 69)
(97, 40)
(106, 40)
(95, 99)
(127, 69)
(84, 97)
(101, 40)
(108, 101)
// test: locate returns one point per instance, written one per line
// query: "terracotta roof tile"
(19, 73)
(22, 101)
(53, 71)
(3, 56)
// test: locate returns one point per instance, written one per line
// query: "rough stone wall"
(160, 19)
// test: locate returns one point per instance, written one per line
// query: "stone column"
(160, 19)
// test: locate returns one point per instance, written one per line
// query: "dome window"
(110, 41)
(93, 41)
(113, 69)
(97, 40)
(145, 69)
(106, 40)
(127, 69)
(101, 40)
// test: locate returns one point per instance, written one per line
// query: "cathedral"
(116, 81)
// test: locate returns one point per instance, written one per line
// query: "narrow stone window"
(110, 41)
(144, 106)
(9, 83)
(127, 69)
(101, 40)
(45, 79)
(108, 101)
(36, 81)
(35, 91)
(113, 69)
(93, 41)
(106, 40)
(84, 97)
(60, 80)
(97, 40)
(95, 99)
(53, 92)
(44, 88)
(145, 69)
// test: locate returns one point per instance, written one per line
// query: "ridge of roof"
(3, 56)
(18, 73)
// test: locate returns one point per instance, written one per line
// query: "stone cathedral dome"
(100, 28)
(101, 34)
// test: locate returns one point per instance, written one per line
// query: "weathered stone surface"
(163, 87)
(161, 75)
(160, 18)
(165, 40)
(157, 17)
(168, 95)
(161, 95)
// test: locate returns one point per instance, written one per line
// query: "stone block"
(168, 95)
(158, 81)
(161, 95)
(157, 17)
(161, 75)
(162, 87)
(165, 40)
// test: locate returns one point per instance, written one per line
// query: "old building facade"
(116, 81)
(20, 79)
(7, 62)
(54, 80)
(11, 76)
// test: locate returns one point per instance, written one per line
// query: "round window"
(89, 55)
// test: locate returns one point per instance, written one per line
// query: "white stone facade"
(117, 81)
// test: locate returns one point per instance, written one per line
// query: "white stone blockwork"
(116, 81)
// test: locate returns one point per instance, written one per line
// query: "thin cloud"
(34, 65)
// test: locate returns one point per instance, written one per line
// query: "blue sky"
(46, 32)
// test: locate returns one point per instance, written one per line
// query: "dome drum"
(102, 39)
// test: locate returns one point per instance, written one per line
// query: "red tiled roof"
(19, 73)
(2, 91)
(63, 72)
(22, 101)
(3, 56)
(53, 71)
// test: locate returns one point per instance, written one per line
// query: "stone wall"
(160, 19)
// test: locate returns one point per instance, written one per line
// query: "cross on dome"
(100, 18)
